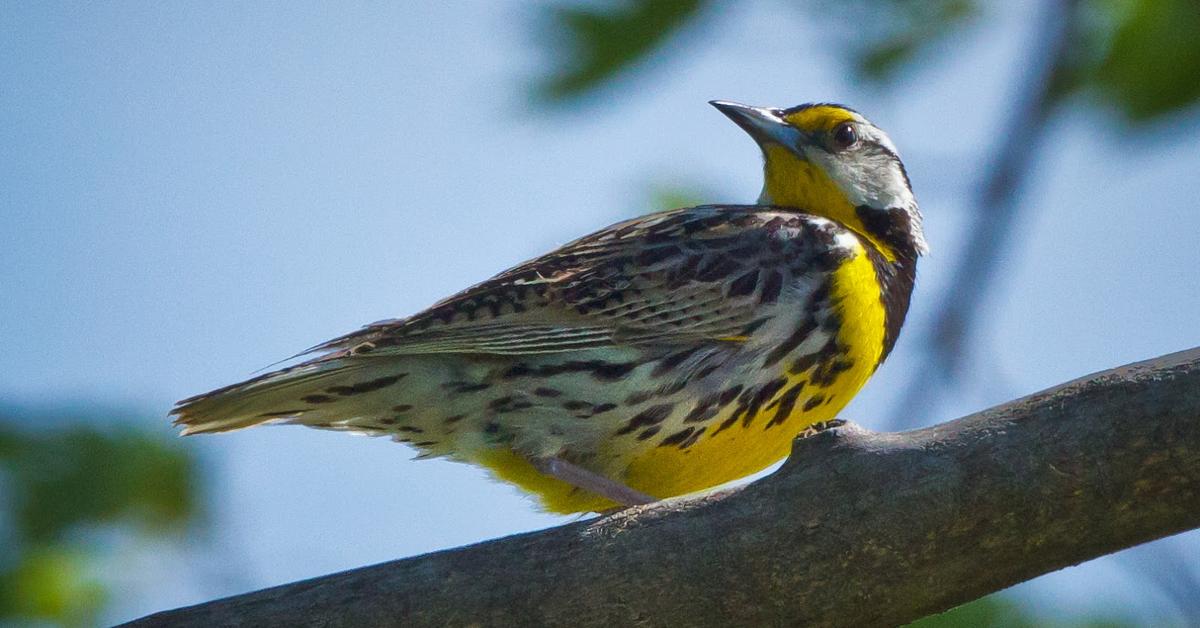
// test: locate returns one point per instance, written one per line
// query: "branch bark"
(857, 528)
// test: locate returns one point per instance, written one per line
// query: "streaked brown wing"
(700, 273)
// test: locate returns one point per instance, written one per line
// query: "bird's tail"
(328, 392)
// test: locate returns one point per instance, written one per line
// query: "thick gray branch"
(858, 528)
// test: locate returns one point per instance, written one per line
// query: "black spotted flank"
(317, 399)
(650, 416)
(672, 362)
(365, 387)
(678, 438)
(501, 405)
(648, 432)
(787, 403)
(728, 423)
(613, 371)
(803, 363)
(760, 397)
(828, 371)
(518, 370)
(601, 370)
(791, 342)
(639, 397)
(674, 387)
(709, 406)
(465, 387)
(703, 411)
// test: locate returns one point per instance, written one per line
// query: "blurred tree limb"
(946, 349)
(857, 528)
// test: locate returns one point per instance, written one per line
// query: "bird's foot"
(817, 428)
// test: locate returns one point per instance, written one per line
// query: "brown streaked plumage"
(661, 355)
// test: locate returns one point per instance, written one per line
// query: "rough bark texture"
(857, 528)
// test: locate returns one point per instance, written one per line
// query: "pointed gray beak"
(763, 124)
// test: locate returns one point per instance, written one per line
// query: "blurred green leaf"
(998, 611)
(992, 611)
(664, 197)
(1152, 63)
(54, 584)
(71, 476)
(884, 36)
(81, 475)
(597, 43)
(1141, 56)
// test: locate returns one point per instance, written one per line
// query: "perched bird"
(659, 356)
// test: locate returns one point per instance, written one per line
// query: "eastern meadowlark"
(659, 356)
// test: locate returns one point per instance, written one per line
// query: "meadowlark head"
(830, 161)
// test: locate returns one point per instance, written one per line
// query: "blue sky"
(189, 192)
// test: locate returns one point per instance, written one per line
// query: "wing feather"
(700, 273)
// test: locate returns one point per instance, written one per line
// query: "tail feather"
(314, 393)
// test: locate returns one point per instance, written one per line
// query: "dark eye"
(845, 136)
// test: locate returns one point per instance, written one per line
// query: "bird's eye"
(845, 136)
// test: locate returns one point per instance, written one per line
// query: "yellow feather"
(819, 117)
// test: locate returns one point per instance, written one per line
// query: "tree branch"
(857, 528)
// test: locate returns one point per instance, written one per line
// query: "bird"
(660, 356)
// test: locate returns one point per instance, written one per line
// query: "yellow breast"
(750, 446)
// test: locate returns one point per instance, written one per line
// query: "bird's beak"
(764, 125)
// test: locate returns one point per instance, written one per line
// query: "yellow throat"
(791, 181)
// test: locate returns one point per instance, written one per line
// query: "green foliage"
(597, 43)
(63, 483)
(1140, 58)
(987, 612)
(882, 37)
(995, 611)
(52, 583)
(664, 197)
(1151, 60)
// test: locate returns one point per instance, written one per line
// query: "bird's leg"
(589, 481)
(817, 428)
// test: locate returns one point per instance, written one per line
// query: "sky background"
(192, 191)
